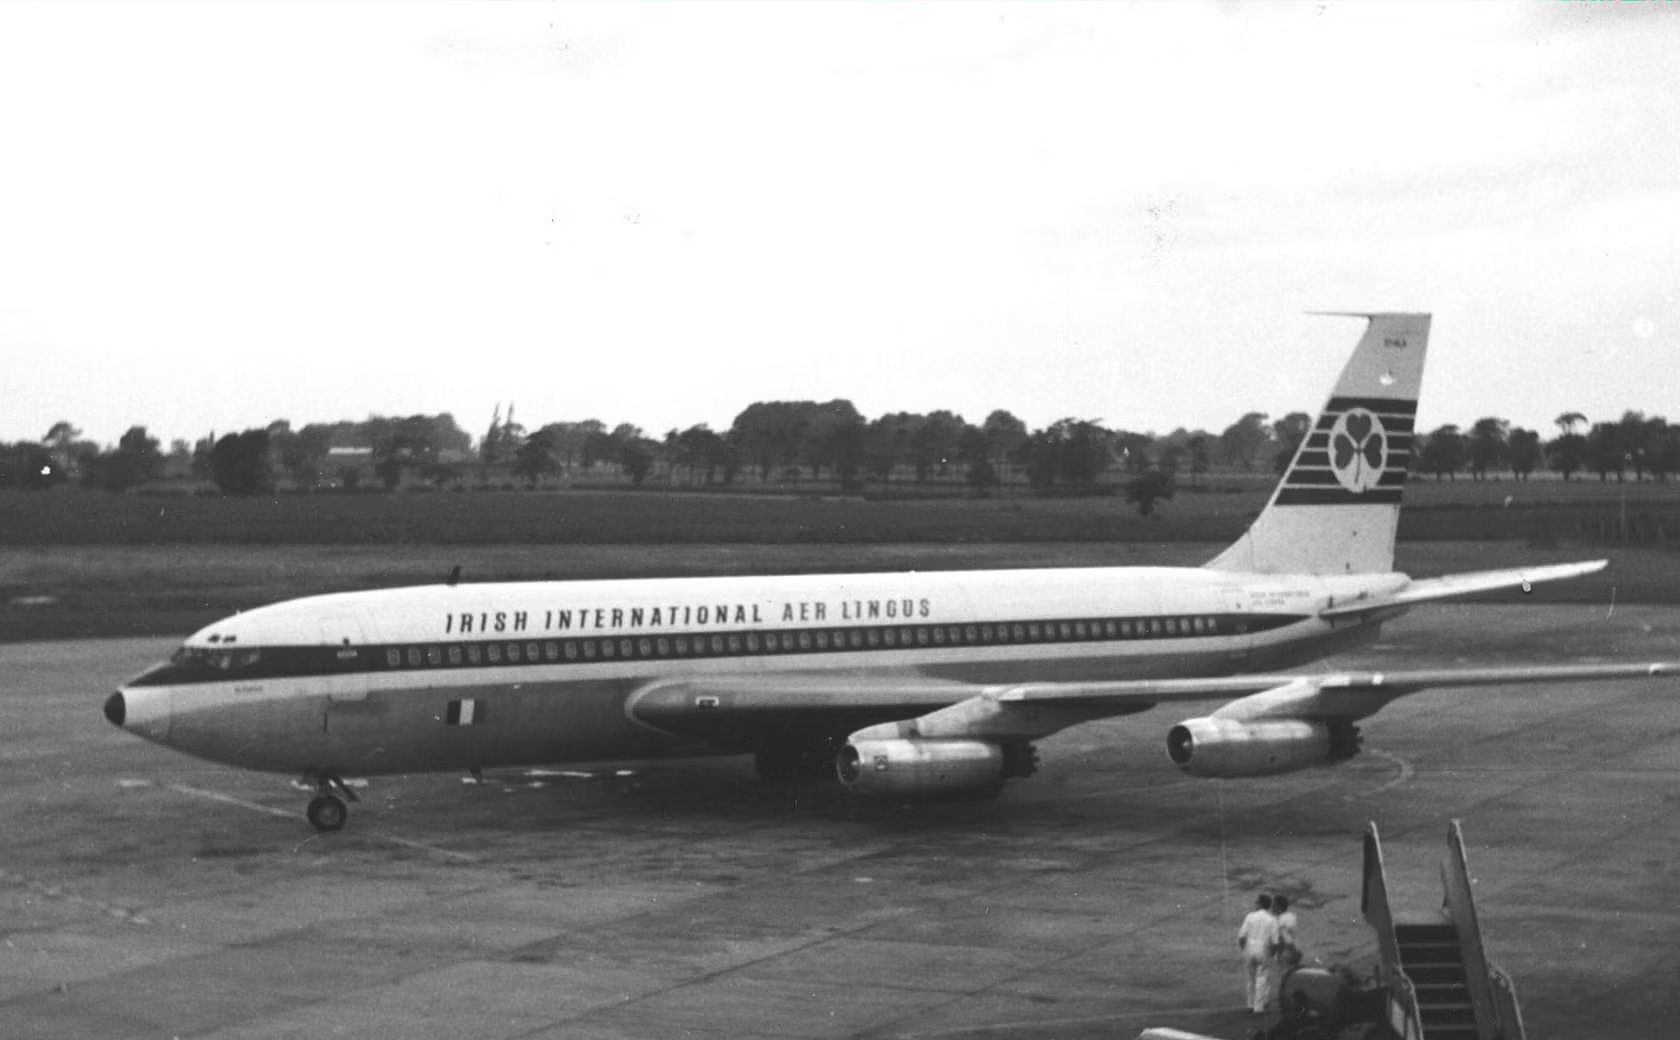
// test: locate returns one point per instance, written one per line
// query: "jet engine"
(902, 767)
(1231, 748)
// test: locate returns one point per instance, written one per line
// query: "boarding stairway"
(1439, 982)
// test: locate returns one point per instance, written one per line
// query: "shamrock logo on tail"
(1358, 450)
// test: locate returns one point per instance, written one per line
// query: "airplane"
(901, 684)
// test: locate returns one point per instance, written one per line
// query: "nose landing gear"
(327, 812)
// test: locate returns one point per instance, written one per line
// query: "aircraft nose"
(141, 710)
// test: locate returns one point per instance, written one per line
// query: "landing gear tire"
(327, 813)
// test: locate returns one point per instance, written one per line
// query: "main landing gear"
(327, 812)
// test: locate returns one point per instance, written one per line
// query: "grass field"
(79, 564)
(1540, 511)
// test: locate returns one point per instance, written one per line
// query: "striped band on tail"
(1358, 453)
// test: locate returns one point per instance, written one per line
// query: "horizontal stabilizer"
(1451, 585)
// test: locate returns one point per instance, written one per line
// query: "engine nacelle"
(930, 767)
(1231, 748)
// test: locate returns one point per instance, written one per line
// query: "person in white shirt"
(1256, 938)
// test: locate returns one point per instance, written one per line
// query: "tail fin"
(1337, 507)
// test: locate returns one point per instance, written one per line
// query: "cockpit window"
(221, 660)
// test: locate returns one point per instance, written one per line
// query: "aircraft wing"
(740, 706)
(1425, 589)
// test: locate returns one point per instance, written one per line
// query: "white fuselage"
(473, 676)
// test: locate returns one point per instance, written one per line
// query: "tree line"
(783, 441)
(1646, 447)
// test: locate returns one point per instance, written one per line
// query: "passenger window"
(493, 653)
(804, 640)
(571, 651)
(664, 647)
(473, 653)
(414, 657)
(513, 653)
(1172, 626)
(551, 651)
(434, 656)
(393, 657)
(454, 655)
(1155, 626)
(752, 642)
(681, 646)
(644, 647)
(589, 649)
(888, 637)
(1032, 630)
(857, 639)
(734, 644)
(717, 644)
(531, 652)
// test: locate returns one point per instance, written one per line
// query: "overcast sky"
(213, 216)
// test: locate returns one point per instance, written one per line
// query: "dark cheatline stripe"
(1327, 478)
(553, 650)
(1337, 496)
(1320, 458)
(1319, 440)
(1394, 424)
(1380, 405)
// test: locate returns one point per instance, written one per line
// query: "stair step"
(1451, 949)
(1433, 973)
(1425, 931)
(1445, 948)
(1431, 957)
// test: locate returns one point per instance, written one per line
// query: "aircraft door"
(1234, 602)
(346, 679)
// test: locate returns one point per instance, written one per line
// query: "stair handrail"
(1404, 1016)
(1459, 905)
(1505, 998)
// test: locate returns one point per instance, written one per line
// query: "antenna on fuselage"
(454, 575)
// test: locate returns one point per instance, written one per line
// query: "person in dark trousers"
(1286, 954)
(1289, 951)
(1256, 939)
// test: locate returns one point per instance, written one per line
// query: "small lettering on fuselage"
(591, 618)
